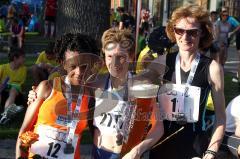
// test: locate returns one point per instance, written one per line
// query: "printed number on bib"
(179, 99)
(51, 143)
(108, 119)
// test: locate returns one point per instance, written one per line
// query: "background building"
(234, 7)
(161, 10)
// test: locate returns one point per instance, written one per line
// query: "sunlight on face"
(187, 42)
(117, 59)
(77, 66)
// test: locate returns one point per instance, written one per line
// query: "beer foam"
(144, 90)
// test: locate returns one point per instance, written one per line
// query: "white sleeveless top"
(108, 110)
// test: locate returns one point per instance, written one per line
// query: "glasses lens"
(190, 32)
(224, 15)
(179, 31)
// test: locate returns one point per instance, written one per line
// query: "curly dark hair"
(75, 42)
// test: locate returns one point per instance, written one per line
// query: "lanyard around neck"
(192, 71)
(71, 121)
(108, 87)
(68, 95)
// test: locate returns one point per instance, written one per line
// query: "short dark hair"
(50, 48)
(75, 42)
(15, 52)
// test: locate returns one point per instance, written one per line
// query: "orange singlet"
(51, 125)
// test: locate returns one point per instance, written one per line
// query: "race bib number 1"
(179, 99)
(51, 143)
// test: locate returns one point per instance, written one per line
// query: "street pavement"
(7, 146)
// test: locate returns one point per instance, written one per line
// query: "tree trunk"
(90, 17)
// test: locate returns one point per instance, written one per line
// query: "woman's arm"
(21, 32)
(30, 118)
(217, 82)
(153, 136)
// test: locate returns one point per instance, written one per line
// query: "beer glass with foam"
(142, 97)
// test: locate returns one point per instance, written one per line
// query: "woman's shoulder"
(44, 88)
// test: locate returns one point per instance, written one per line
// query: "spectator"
(235, 26)
(11, 12)
(26, 11)
(124, 19)
(157, 45)
(4, 12)
(15, 72)
(17, 33)
(214, 48)
(50, 17)
(223, 30)
(44, 65)
(231, 140)
(144, 24)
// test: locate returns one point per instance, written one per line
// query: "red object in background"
(51, 8)
(26, 10)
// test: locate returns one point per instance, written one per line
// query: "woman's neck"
(186, 60)
(118, 83)
(13, 65)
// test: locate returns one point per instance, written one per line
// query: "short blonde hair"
(202, 17)
(118, 36)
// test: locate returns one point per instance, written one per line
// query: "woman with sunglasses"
(195, 75)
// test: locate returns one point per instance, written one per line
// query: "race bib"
(107, 115)
(51, 143)
(178, 100)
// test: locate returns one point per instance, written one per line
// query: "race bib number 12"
(51, 143)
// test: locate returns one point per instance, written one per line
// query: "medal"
(69, 149)
(71, 121)
(181, 119)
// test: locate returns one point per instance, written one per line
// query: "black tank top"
(200, 80)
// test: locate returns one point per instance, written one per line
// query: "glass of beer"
(142, 97)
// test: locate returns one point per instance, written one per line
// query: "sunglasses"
(224, 15)
(190, 32)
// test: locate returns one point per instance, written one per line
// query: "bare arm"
(217, 81)
(43, 92)
(120, 25)
(153, 136)
(21, 32)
